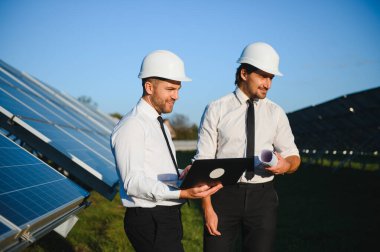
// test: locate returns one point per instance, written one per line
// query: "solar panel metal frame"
(17, 239)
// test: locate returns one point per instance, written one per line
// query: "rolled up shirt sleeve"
(208, 134)
(284, 139)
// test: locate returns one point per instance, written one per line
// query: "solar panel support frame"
(22, 243)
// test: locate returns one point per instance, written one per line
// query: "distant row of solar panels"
(350, 122)
(72, 135)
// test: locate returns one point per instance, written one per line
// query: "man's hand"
(211, 221)
(199, 192)
(184, 172)
(285, 165)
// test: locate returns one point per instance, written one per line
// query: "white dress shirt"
(143, 159)
(222, 132)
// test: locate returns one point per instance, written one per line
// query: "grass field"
(321, 209)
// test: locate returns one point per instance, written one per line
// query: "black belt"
(268, 184)
(156, 208)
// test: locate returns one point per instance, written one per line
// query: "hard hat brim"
(245, 61)
(182, 78)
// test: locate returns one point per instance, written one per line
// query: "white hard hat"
(163, 64)
(262, 56)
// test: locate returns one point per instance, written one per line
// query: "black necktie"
(250, 129)
(167, 143)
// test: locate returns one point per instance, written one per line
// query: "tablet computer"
(226, 171)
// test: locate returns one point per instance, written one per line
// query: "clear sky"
(328, 48)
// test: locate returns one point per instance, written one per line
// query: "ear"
(243, 74)
(148, 87)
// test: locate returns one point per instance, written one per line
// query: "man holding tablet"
(243, 124)
(145, 156)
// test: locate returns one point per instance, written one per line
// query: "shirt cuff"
(172, 193)
(286, 154)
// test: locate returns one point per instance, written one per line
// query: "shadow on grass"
(322, 209)
(52, 242)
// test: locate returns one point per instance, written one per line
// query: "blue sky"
(95, 48)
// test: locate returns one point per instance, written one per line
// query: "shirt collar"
(147, 109)
(243, 97)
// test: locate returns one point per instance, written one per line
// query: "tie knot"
(250, 102)
(160, 119)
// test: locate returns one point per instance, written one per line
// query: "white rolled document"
(268, 158)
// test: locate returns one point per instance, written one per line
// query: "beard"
(261, 93)
(163, 106)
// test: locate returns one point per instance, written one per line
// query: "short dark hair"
(249, 68)
(150, 79)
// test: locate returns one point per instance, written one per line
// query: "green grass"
(321, 209)
(372, 162)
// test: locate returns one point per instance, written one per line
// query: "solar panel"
(62, 129)
(34, 198)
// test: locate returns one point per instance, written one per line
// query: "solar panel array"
(65, 131)
(348, 127)
(32, 196)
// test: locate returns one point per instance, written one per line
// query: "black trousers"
(250, 209)
(154, 229)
